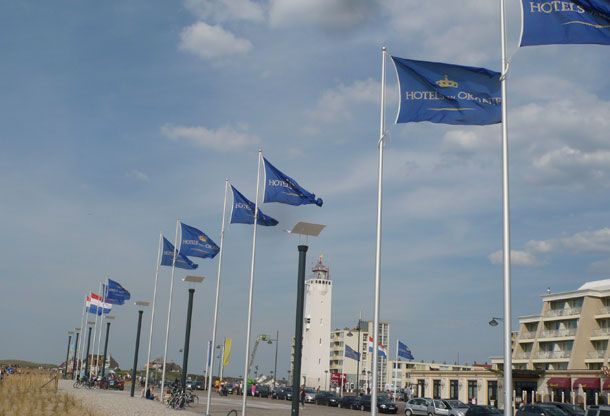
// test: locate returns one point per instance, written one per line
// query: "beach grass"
(23, 395)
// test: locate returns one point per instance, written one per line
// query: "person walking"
(302, 395)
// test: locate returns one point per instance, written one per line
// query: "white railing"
(564, 312)
(522, 355)
(528, 335)
(601, 332)
(558, 333)
(604, 310)
(554, 354)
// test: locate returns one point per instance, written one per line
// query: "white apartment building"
(316, 331)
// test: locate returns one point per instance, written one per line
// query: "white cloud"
(207, 41)
(471, 141)
(328, 14)
(227, 10)
(517, 258)
(596, 241)
(573, 164)
(337, 104)
(138, 175)
(223, 139)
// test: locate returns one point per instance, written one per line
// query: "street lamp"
(70, 333)
(142, 304)
(350, 334)
(187, 336)
(74, 359)
(302, 229)
(494, 321)
(109, 318)
(325, 380)
(90, 324)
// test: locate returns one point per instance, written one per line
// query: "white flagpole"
(99, 339)
(394, 370)
(169, 311)
(80, 340)
(82, 344)
(508, 376)
(207, 365)
(215, 325)
(249, 326)
(342, 368)
(381, 143)
(94, 334)
(152, 313)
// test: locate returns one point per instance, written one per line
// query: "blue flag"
(196, 244)
(548, 22)
(243, 211)
(182, 262)
(351, 353)
(404, 351)
(115, 293)
(280, 187)
(448, 94)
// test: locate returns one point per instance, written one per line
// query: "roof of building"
(596, 285)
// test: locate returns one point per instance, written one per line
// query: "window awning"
(587, 383)
(563, 383)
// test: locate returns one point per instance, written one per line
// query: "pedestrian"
(302, 394)
(253, 389)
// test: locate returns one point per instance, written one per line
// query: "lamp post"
(70, 333)
(302, 229)
(141, 304)
(90, 324)
(187, 335)
(350, 334)
(109, 318)
(325, 380)
(77, 330)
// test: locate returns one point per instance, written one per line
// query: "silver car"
(437, 408)
(456, 407)
(418, 406)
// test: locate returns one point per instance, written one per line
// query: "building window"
(472, 390)
(436, 389)
(492, 393)
(454, 390)
(421, 384)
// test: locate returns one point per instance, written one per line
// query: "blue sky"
(119, 117)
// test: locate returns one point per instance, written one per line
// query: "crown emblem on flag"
(202, 238)
(446, 83)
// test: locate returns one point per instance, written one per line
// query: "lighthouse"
(317, 327)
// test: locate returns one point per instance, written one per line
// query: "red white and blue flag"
(381, 350)
(95, 304)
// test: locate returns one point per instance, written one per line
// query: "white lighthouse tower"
(316, 333)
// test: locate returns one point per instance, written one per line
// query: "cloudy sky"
(119, 117)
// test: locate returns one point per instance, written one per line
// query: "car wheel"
(408, 412)
(339, 405)
(362, 407)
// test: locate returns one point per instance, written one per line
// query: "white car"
(418, 406)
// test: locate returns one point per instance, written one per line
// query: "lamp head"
(493, 322)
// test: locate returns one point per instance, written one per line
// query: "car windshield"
(456, 404)
(310, 391)
(553, 411)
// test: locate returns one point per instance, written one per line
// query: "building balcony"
(596, 354)
(563, 312)
(558, 333)
(522, 355)
(553, 354)
(604, 310)
(602, 332)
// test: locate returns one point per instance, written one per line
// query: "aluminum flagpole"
(215, 325)
(169, 310)
(95, 332)
(80, 342)
(508, 376)
(381, 143)
(99, 339)
(152, 313)
(394, 370)
(249, 326)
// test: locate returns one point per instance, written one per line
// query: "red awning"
(606, 385)
(587, 383)
(563, 383)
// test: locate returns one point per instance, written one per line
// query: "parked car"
(347, 402)
(570, 409)
(288, 393)
(327, 398)
(385, 405)
(540, 410)
(456, 407)
(278, 393)
(262, 390)
(362, 403)
(437, 407)
(598, 411)
(310, 395)
(417, 406)
(230, 388)
(475, 410)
